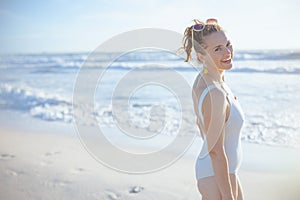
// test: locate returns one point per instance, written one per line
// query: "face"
(219, 51)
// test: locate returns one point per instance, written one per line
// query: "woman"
(219, 115)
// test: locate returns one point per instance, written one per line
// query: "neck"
(216, 74)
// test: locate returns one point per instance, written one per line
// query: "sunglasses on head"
(199, 26)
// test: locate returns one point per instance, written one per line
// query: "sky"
(60, 26)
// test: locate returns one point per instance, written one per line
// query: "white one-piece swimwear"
(232, 143)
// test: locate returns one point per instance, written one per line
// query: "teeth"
(227, 60)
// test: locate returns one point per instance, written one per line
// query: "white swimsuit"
(232, 141)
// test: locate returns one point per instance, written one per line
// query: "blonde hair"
(199, 38)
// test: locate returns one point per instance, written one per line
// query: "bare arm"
(215, 140)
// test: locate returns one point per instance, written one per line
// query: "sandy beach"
(51, 163)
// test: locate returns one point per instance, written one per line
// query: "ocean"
(42, 86)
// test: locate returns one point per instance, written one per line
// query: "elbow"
(217, 153)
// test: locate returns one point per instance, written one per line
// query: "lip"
(227, 61)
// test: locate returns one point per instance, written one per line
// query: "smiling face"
(219, 51)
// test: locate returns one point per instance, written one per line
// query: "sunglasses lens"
(198, 27)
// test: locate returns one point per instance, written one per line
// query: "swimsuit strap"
(204, 93)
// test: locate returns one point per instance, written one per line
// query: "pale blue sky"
(34, 26)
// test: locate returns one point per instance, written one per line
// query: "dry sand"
(44, 165)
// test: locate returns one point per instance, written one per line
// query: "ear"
(200, 57)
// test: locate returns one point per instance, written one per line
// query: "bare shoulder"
(216, 96)
(218, 93)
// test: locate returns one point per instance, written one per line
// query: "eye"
(217, 49)
(228, 44)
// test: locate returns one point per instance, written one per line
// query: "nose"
(228, 50)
